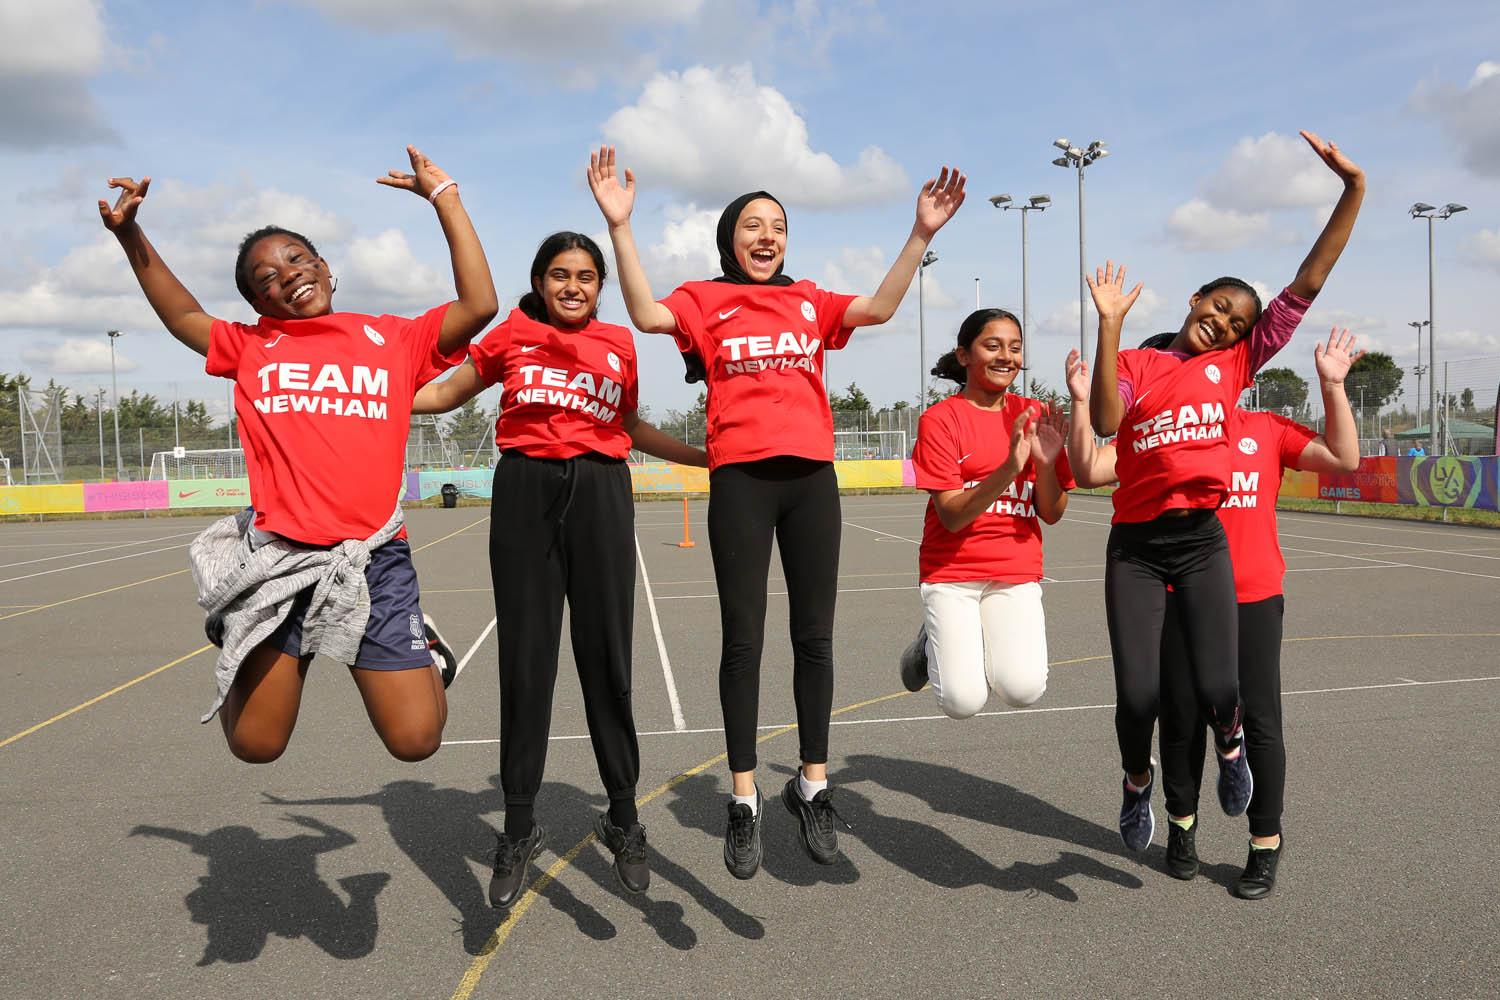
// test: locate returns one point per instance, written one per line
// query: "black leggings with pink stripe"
(1187, 551)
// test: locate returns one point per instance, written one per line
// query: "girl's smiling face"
(287, 280)
(760, 239)
(995, 357)
(1217, 319)
(569, 288)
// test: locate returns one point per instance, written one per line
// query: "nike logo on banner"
(528, 350)
(273, 343)
(190, 493)
(726, 315)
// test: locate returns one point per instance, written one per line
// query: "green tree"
(1466, 400)
(1044, 393)
(1380, 378)
(853, 400)
(1281, 389)
(469, 426)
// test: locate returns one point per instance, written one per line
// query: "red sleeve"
(488, 353)
(420, 337)
(226, 341)
(1293, 441)
(688, 312)
(1125, 375)
(935, 456)
(831, 307)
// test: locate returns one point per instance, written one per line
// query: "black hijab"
(733, 274)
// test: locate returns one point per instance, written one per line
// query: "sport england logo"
(1212, 373)
(731, 312)
(613, 359)
(808, 312)
(374, 335)
(1249, 446)
(272, 343)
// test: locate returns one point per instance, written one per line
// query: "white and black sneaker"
(914, 662)
(442, 653)
(742, 848)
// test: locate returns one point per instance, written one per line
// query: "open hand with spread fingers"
(1334, 359)
(939, 200)
(425, 179)
(125, 207)
(1107, 286)
(615, 200)
(1051, 432)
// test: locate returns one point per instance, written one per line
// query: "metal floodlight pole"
(1078, 159)
(1422, 210)
(1417, 368)
(114, 381)
(99, 412)
(928, 259)
(1036, 203)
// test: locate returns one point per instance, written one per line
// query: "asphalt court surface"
(142, 860)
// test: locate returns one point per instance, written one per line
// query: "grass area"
(1397, 512)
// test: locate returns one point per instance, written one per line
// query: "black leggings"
(563, 528)
(1190, 553)
(1182, 729)
(797, 501)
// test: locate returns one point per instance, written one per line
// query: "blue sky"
(285, 110)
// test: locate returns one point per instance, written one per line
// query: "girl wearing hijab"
(761, 338)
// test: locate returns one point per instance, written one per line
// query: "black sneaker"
(816, 818)
(914, 662)
(1137, 821)
(442, 653)
(1236, 784)
(512, 859)
(742, 850)
(1182, 850)
(629, 849)
(1259, 876)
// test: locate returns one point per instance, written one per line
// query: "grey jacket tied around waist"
(247, 591)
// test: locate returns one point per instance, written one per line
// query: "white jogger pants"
(984, 636)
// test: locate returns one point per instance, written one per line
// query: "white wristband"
(440, 189)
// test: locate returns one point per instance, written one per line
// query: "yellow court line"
(84, 597)
(98, 698)
(150, 673)
(450, 534)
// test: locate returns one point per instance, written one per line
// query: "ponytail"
(948, 367)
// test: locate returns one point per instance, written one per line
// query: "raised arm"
(451, 393)
(1106, 408)
(616, 202)
(1335, 235)
(476, 304)
(938, 200)
(654, 441)
(1337, 448)
(957, 509)
(179, 312)
(1093, 464)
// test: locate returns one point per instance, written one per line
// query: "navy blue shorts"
(395, 638)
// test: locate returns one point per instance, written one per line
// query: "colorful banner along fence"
(1426, 482)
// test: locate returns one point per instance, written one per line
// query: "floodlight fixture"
(1000, 200)
(1040, 200)
(1061, 143)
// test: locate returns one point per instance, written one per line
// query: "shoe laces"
(507, 853)
(634, 849)
(824, 812)
(741, 826)
(1261, 862)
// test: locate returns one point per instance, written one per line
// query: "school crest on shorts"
(414, 623)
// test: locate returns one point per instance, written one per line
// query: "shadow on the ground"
(258, 886)
(932, 855)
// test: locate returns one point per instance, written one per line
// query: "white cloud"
(715, 133)
(77, 356)
(47, 53)
(1484, 248)
(1274, 171)
(1198, 225)
(1470, 115)
(383, 266)
(687, 251)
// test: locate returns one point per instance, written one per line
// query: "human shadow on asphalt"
(936, 857)
(700, 803)
(258, 886)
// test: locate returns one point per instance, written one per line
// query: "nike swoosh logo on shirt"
(273, 343)
(1144, 395)
(964, 458)
(528, 350)
(726, 315)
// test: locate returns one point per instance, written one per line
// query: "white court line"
(1404, 683)
(107, 548)
(1388, 562)
(1351, 521)
(100, 562)
(887, 534)
(782, 593)
(661, 645)
(473, 649)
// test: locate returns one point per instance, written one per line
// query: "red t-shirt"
(1261, 446)
(324, 406)
(958, 445)
(565, 392)
(763, 346)
(1171, 450)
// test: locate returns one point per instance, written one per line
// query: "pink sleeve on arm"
(1275, 327)
(1125, 380)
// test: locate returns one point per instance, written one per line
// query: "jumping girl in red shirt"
(1169, 407)
(992, 470)
(323, 400)
(1263, 446)
(762, 339)
(562, 526)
